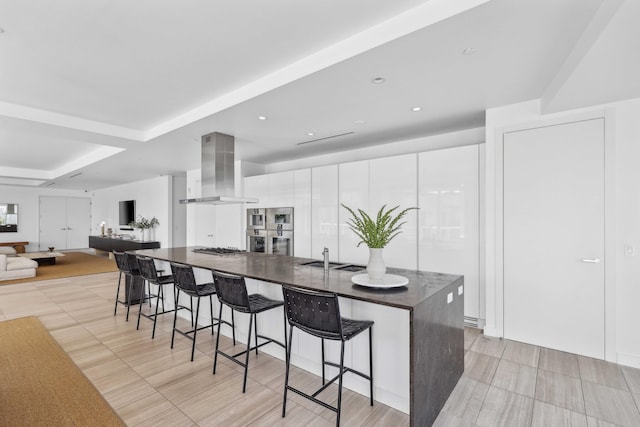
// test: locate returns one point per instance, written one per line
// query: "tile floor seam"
(630, 390)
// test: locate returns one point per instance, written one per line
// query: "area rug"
(41, 386)
(71, 264)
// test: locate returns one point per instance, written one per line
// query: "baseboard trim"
(632, 360)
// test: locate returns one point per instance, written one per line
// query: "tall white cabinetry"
(448, 218)
(443, 235)
(324, 211)
(302, 213)
(354, 192)
(393, 182)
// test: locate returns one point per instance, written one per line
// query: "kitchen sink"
(351, 267)
(335, 266)
(320, 264)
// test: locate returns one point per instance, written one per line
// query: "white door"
(554, 237)
(53, 223)
(65, 222)
(78, 222)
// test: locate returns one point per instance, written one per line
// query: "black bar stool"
(185, 281)
(130, 271)
(318, 314)
(232, 292)
(149, 273)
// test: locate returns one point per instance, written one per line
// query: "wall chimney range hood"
(218, 169)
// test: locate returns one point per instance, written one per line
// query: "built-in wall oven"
(257, 241)
(256, 219)
(276, 236)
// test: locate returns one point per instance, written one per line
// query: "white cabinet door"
(324, 211)
(354, 193)
(554, 237)
(257, 187)
(393, 182)
(302, 213)
(449, 233)
(205, 225)
(229, 227)
(280, 190)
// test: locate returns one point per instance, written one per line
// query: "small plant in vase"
(143, 224)
(376, 233)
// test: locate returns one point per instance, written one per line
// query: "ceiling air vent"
(325, 138)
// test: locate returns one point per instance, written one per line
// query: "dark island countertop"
(290, 271)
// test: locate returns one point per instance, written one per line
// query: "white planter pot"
(376, 268)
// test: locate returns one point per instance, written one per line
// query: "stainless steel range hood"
(218, 169)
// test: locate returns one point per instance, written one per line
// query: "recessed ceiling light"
(310, 134)
(262, 117)
(378, 80)
(468, 51)
(359, 122)
(416, 109)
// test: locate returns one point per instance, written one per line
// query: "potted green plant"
(376, 232)
(143, 224)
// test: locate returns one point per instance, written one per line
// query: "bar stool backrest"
(232, 291)
(121, 261)
(132, 260)
(316, 313)
(184, 277)
(147, 269)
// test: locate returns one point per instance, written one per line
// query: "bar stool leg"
(322, 347)
(340, 383)
(215, 357)
(286, 374)
(140, 306)
(175, 315)
(246, 358)
(195, 330)
(155, 317)
(211, 307)
(129, 292)
(233, 326)
(115, 309)
(255, 330)
(371, 365)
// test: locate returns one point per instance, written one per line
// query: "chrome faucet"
(325, 256)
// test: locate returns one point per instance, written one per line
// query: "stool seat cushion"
(351, 328)
(259, 303)
(165, 280)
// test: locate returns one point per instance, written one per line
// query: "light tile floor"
(505, 383)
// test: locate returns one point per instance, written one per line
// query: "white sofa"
(15, 267)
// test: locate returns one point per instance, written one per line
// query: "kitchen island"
(418, 331)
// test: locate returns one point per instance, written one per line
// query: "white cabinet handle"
(594, 260)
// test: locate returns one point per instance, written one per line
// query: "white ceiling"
(121, 91)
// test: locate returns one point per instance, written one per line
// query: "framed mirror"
(8, 217)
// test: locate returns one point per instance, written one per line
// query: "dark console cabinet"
(108, 244)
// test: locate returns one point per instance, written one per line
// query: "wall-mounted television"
(8, 217)
(127, 214)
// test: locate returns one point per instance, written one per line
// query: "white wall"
(153, 198)
(28, 201)
(623, 224)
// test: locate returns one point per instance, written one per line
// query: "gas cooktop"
(218, 251)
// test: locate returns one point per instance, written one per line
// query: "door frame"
(609, 220)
